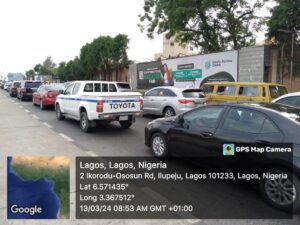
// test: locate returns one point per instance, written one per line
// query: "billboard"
(188, 72)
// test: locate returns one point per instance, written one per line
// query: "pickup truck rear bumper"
(118, 117)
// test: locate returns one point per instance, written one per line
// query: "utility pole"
(292, 60)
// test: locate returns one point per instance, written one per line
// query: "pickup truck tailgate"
(118, 105)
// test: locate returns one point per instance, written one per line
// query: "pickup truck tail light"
(99, 106)
(185, 101)
(141, 104)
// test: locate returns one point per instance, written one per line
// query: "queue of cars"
(197, 123)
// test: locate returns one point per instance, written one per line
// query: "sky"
(31, 30)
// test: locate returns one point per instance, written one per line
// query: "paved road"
(106, 140)
(110, 140)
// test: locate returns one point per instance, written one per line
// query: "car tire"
(169, 111)
(278, 187)
(58, 113)
(125, 124)
(42, 107)
(84, 122)
(33, 102)
(159, 145)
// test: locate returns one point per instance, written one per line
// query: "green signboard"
(187, 74)
(152, 76)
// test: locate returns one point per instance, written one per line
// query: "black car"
(202, 133)
(27, 88)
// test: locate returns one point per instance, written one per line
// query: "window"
(76, 89)
(69, 89)
(88, 87)
(40, 89)
(104, 87)
(264, 91)
(293, 101)
(249, 91)
(123, 86)
(112, 88)
(277, 91)
(208, 89)
(154, 92)
(249, 121)
(204, 117)
(168, 93)
(226, 90)
(193, 93)
(268, 127)
(32, 84)
(97, 87)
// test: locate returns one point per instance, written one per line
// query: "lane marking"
(35, 117)
(91, 153)
(26, 110)
(16, 103)
(66, 137)
(21, 106)
(48, 125)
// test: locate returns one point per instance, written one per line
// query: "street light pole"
(292, 61)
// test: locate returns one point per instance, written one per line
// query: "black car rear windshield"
(193, 93)
(123, 85)
(277, 91)
(32, 84)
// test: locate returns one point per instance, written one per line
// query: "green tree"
(211, 25)
(285, 16)
(104, 55)
(30, 74)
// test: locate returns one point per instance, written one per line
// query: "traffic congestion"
(191, 122)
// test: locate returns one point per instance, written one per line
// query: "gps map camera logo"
(228, 149)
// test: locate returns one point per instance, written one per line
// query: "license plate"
(123, 118)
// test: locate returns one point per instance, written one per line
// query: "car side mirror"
(180, 120)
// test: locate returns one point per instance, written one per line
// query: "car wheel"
(84, 122)
(280, 192)
(159, 145)
(58, 113)
(33, 102)
(169, 111)
(125, 124)
(42, 105)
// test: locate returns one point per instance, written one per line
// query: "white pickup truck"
(93, 101)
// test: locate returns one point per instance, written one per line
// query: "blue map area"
(29, 194)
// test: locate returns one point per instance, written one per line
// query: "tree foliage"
(212, 25)
(105, 55)
(285, 16)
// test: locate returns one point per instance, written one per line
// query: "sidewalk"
(22, 134)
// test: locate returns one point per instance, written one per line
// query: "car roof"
(96, 81)
(243, 83)
(263, 107)
(287, 95)
(175, 88)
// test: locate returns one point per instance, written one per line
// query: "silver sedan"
(170, 101)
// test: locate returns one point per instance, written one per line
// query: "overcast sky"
(31, 30)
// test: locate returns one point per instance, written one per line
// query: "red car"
(13, 88)
(46, 95)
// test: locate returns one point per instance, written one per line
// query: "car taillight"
(141, 104)
(100, 106)
(184, 101)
